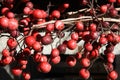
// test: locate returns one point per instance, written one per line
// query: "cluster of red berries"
(95, 34)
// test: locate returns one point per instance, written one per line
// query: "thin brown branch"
(105, 68)
(74, 20)
(82, 10)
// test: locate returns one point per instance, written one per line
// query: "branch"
(82, 10)
(74, 20)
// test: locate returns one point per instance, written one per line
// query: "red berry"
(23, 66)
(44, 14)
(117, 39)
(74, 36)
(37, 46)
(50, 27)
(110, 48)
(85, 62)
(62, 48)
(94, 53)
(78, 55)
(113, 12)
(55, 60)
(37, 14)
(7, 60)
(79, 26)
(103, 40)
(55, 14)
(45, 67)
(14, 33)
(110, 37)
(55, 52)
(114, 27)
(36, 57)
(43, 58)
(4, 22)
(110, 66)
(26, 51)
(103, 8)
(66, 5)
(110, 60)
(26, 76)
(16, 71)
(93, 27)
(4, 10)
(10, 15)
(113, 75)
(26, 30)
(94, 35)
(86, 35)
(112, 55)
(59, 25)
(13, 24)
(84, 73)
(105, 24)
(5, 52)
(23, 61)
(84, 2)
(71, 44)
(26, 10)
(47, 39)
(12, 43)
(30, 40)
(88, 47)
(29, 4)
(71, 61)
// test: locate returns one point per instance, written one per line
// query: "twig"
(105, 68)
(92, 62)
(82, 10)
(74, 20)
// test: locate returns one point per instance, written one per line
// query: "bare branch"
(74, 20)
